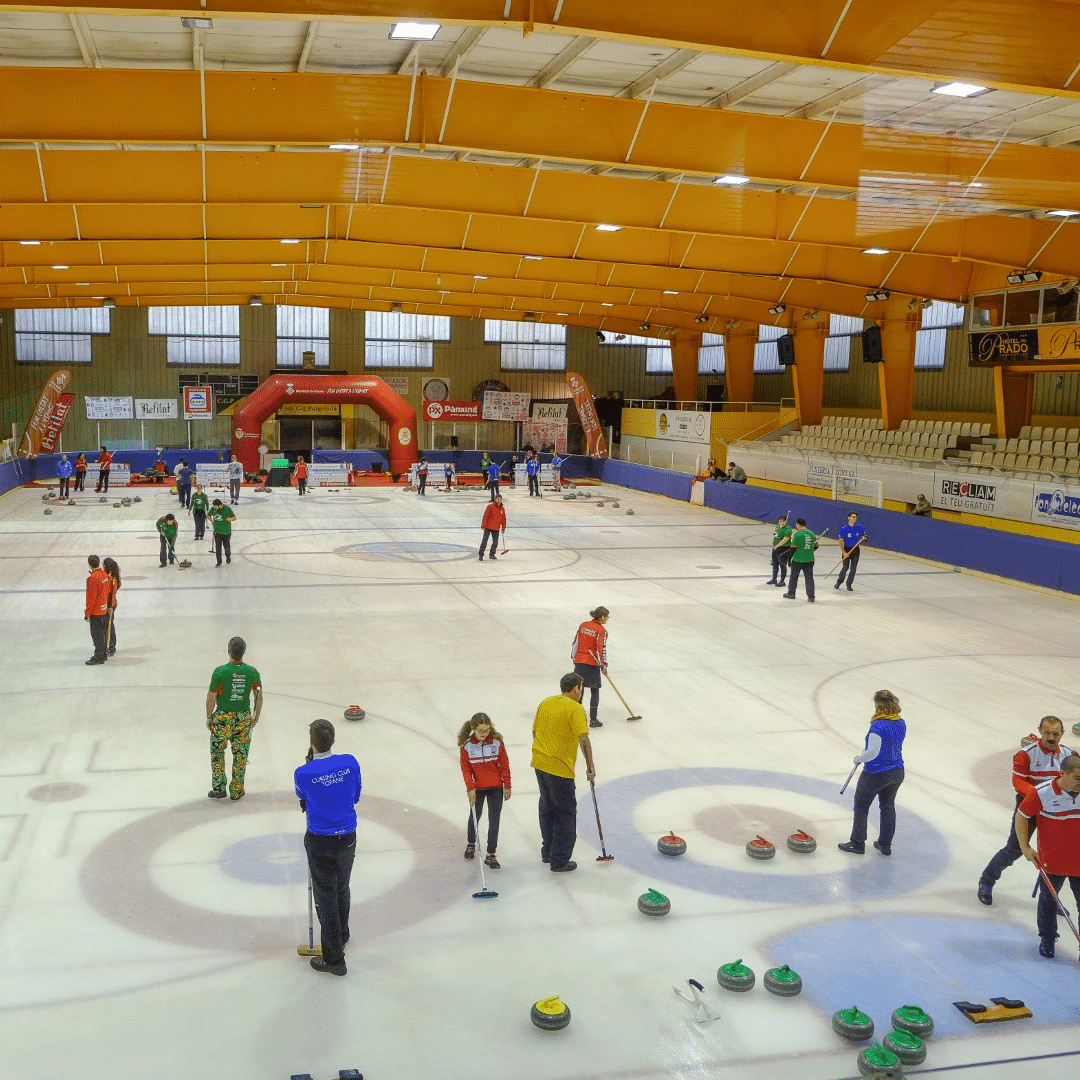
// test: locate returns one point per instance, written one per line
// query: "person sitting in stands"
(922, 507)
(736, 474)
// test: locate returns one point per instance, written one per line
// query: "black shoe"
(595, 723)
(94, 660)
(985, 893)
(851, 846)
(780, 584)
(491, 556)
(789, 596)
(771, 581)
(837, 585)
(492, 862)
(565, 868)
(163, 565)
(850, 589)
(1046, 947)
(228, 558)
(885, 849)
(809, 599)
(470, 851)
(235, 797)
(111, 652)
(481, 556)
(212, 794)
(544, 858)
(319, 964)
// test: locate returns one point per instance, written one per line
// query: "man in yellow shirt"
(560, 727)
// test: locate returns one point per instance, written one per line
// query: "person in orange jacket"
(300, 469)
(588, 650)
(493, 520)
(98, 593)
(486, 769)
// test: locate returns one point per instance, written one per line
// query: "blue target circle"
(269, 859)
(920, 852)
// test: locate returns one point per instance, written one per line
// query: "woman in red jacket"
(486, 769)
(493, 520)
(589, 653)
(301, 475)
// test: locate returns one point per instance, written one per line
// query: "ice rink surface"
(149, 931)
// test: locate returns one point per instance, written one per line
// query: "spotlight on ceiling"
(877, 294)
(600, 336)
(731, 324)
(810, 315)
(645, 326)
(108, 303)
(255, 301)
(701, 319)
(925, 303)
(197, 24)
(1020, 277)
(778, 310)
(1067, 287)
(875, 251)
(959, 89)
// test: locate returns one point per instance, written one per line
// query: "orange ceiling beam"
(1013, 45)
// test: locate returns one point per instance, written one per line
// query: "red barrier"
(367, 390)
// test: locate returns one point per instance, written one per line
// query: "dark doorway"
(306, 433)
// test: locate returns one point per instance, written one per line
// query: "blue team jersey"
(891, 733)
(532, 466)
(330, 788)
(850, 535)
(493, 471)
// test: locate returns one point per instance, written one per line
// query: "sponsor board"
(974, 494)
(505, 405)
(1003, 347)
(312, 408)
(452, 411)
(819, 472)
(1056, 506)
(1059, 343)
(49, 416)
(676, 426)
(551, 412)
(545, 435)
(156, 409)
(198, 403)
(109, 408)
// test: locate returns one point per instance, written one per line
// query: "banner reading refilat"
(596, 444)
(48, 418)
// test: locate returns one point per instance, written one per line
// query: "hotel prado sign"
(1033, 346)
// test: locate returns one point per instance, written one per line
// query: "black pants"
(65, 484)
(534, 484)
(80, 481)
(849, 566)
(493, 796)
(223, 544)
(301, 485)
(99, 625)
(1009, 853)
(590, 673)
(493, 536)
(780, 559)
(200, 523)
(493, 485)
(166, 553)
(184, 492)
(882, 786)
(807, 569)
(330, 862)
(558, 817)
(234, 490)
(421, 483)
(1047, 916)
(103, 481)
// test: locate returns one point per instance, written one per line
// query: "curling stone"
(909, 1048)
(125, 502)
(802, 842)
(44, 498)
(550, 1014)
(571, 486)
(760, 848)
(586, 494)
(354, 712)
(615, 505)
(572, 495)
(102, 499)
(599, 504)
(782, 981)
(653, 903)
(671, 844)
(1028, 740)
(565, 497)
(47, 510)
(116, 506)
(1076, 728)
(138, 498)
(630, 512)
(875, 1060)
(735, 976)
(853, 1024)
(185, 564)
(914, 1019)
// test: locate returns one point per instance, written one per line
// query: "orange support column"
(684, 365)
(807, 375)
(1014, 393)
(739, 366)
(896, 372)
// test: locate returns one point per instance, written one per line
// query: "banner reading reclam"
(48, 417)
(596, 444)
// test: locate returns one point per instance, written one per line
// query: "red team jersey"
(1059, 827)
(590, 644)
(1035, 766)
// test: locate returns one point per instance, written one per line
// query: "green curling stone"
(760, 848)
(47, 510)
(116, 506)
(875, 1060)
(671, 845)
(909, 1048)
(550, 1014)
(914, 1019)
(565, 497)
(102, 499)
(783, 982)
(138, 498)
(1076, 729)
(586, 494)
(736, 977)
(571, 486)
(653, 903)
(853, 1024)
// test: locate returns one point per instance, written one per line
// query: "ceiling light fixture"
(107, 303)
(604, 303)
(877, 294)
(731, 180)
(645, 327)
(1063, 213)
(277, 264)
(701, 319)
(414, 31)
(1021, 277)
(534, 258)
(1067, 287)
(670, 292)
(925, 303)
(290, 241)
(30, 243)
(811, 315)
(959, 89)
(604, 227)
(875, 251)
(479, 277)
(197, 24)
(778, 310)
(913, 303)
(344, 146)
(731, 324)
(600, 337)
(255, 301)
(61, 266)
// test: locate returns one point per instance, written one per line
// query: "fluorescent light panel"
(959, 89)
(603, 227)
(731, 180)
(875, 251)
(344, 146)
(414, 31)
(1062, 213)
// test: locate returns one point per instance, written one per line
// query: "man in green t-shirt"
(781, 550)
(166, 527)
(803, 545)
(200, 504)
(222, 517)
(230, 718)
(560, 727)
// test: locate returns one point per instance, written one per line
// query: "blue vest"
(891, 733)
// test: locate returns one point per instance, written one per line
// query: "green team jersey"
(234, 683)
(781, 532)
(166, 528)
(222, 517)
(200, 502)
(803, 542)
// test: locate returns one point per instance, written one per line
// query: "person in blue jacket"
(851, 539)
(493, 480)
(328, 787)
(883, 773)
(532, 469)
(64, 471)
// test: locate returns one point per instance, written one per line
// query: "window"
(765, 355)
(842, 328)
(301, 330)
(397, 340)
(57, 335)
(528, 346)
(657, 351)
(198, 335)
(941, 313)
(710, 357)
(931, 339)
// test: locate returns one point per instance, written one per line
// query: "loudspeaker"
(714, 391)
(454, 441)
(785, 350)
(871, 345)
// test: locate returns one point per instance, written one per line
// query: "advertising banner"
(505, 405)
(819, 472)
(545, 436)
(452, 411)
(596, 444)
(974, 494)
(109, 408)
(1003, 347)
(1055, 505)
(48, 417)
(309, 409)
(434, 389)
(156, 409)
(1059, 343)
(551, 411)
(683, 426)
(198, 403)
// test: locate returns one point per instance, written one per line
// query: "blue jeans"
(558, 817)
(1009, 853)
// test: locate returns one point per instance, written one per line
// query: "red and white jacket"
(1036, 765)
(1059, 827)
(590, 644)
(485, 764)
(494, 516)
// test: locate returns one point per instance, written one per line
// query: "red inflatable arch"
(367, 390)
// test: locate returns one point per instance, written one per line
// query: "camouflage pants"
(234, 729)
